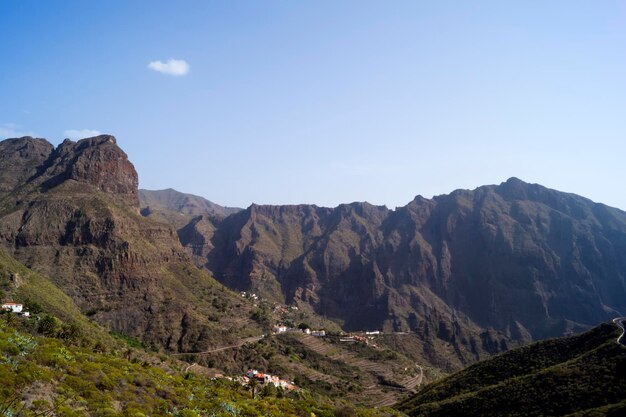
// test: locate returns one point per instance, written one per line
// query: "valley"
(404, 297)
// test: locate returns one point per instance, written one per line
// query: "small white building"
(318, 333)
(12, 307)
(280, 329)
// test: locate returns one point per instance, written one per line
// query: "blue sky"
(329, 101)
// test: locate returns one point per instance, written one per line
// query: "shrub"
(48, 325)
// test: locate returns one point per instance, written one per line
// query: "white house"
(13, 307)
(280, 329)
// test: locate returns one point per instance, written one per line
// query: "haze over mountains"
(186, 204)
(470, 273)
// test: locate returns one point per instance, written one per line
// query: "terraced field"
(385, 381)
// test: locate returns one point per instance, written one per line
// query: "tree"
(262, 316)
(33, 306)
(48, 325)
(70, 332)
(253, 384)
(269, 390)
(9, 318)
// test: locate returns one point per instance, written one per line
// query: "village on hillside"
(287, 324)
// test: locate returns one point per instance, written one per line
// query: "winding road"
(620, 322)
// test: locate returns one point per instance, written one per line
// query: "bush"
(48, 326)
(69, 332)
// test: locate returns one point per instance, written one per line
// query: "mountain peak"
(516, 189)
(96, 161)
(515, 181)
(189, 204)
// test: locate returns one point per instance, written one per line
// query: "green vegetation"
(55, 375)
(319, 375)
(39, 294)
(580, 375)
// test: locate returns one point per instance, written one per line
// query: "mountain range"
(481, 269)
(465, 275)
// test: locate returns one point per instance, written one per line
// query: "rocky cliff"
(72, 213)
(519, 258)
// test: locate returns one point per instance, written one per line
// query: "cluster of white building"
(278, 329)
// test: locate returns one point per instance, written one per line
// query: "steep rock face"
(330, 261)
(98, 162)
(197, 235)
(76, 220)
(519, 258)
(19, 161)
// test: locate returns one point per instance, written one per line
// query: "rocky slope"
(72, 214)
(194, 217)
(63, 374)
(466, 274)
(72, 239)
(518, 258)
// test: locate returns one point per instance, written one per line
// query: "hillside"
(72, 241)
(449, 281)
(67, 375)
(579, 375)
(71, 213)
(323, 368)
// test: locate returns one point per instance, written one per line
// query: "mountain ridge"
(510, 183)
(524, 230)
(468, 274)
(185, 203)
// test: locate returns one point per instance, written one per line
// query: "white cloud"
(175, 67)
(11, 130)
(76, 134)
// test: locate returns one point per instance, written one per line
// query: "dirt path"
(219, 349)
(620, 322)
